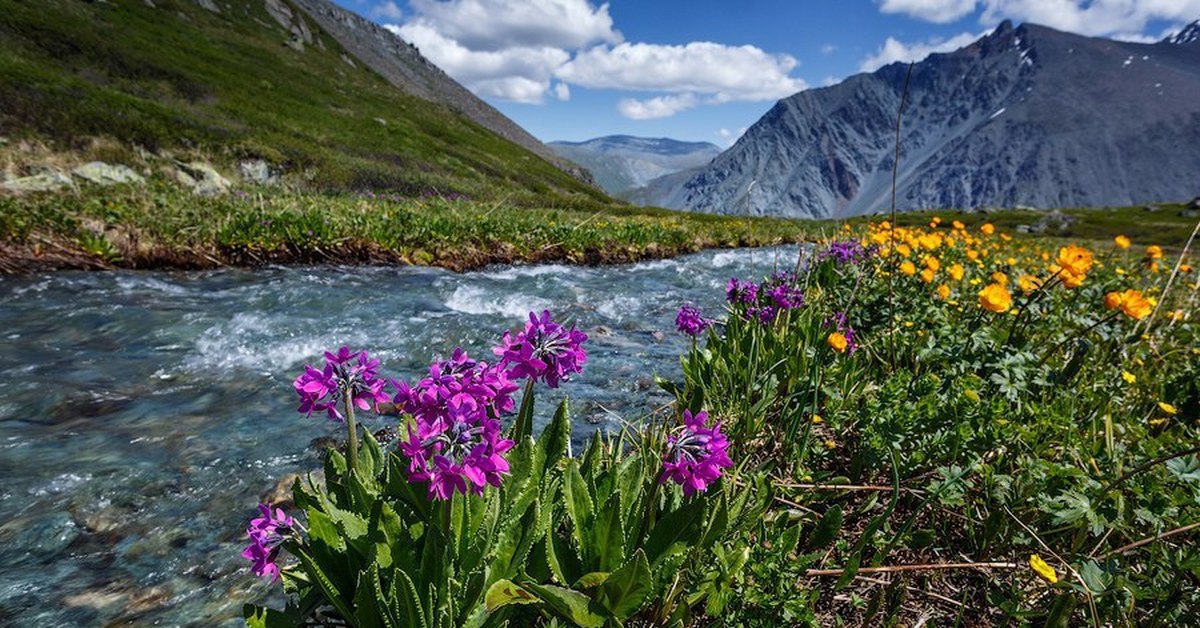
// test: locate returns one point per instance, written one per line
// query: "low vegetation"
(940, 424)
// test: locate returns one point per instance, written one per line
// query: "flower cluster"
(739, 292)
(777, 294)
(695, 454)
(455, 444)
(689, 320)
(847, 252)
(544, 350)
(266, 534)
(347, 374)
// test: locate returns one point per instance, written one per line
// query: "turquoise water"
(144, 414)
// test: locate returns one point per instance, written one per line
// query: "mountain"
(622, 162)
(1023, 116)
(324, 96)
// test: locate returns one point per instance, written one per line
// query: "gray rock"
(204, 179)
(44, 182)
(1195, 204)
(1151, 208)
(1189, 213)
(101, 173)
(209, 5)
(257, 171)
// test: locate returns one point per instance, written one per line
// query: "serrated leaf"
(578, 502)
(262, 617)
(608, 535)
(505, 592)
(553, 441)
(626, 589)
(679, 527)
(827, 528)
(569, 604)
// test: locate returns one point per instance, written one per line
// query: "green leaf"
(332, 594)
(827, 528)
(627, 589)
(406, 603)
(505, 592)
(569, 604)
(608, 536)
(590, 580)
(366, 612)
(555, 439)
(1061, 611)
(262, 617)
(679, 527)
(578, 503)
(523, 424)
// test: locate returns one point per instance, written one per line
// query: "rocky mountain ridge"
(1024, 116)
(623, 162)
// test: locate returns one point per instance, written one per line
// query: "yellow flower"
(1131, 303)
(908, 268)
(1122, 242)
(1128, 377)
(837, 342)
(816, 418)
(932, 263)
(831, 444)
(930, 241)
(1185, 268)
(1112, 300)
(1154, 251)
(943, 291)
(995, 298)
(927, 275)
(1029, 283)
(1000, 278)
(957, 224)
(987, 228)
(972, 254)
(903, 249)
(1074, 259)
(1043, 569)
(1168, 408)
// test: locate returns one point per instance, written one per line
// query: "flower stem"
(351, 436)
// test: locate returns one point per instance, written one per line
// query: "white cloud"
(938, 11)
(387, 10)
(830, 80)
(517, 74)
(894, 50)
(562, 91)
(725, 73)
(501, 24)
(1124, 19)
(657, 107)
(828, 49)
(728, 138)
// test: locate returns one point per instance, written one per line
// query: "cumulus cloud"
(521, 50)
(1126, 19)
(502, 24)
(387, 10)
(938, 11)
(657, 107)
(518, 74)
(729, 137)
(894, 50)
(725, 73)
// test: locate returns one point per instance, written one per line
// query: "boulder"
(1195, 204)
(202, 178)
(1189, 213)
(101, 173)
(257, 171)
(209, 5)
(43, 182)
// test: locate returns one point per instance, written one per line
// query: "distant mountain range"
(1023, 116)
(622, 162)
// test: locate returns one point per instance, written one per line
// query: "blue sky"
(704, 70)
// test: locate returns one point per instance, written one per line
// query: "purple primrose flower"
(695, 454)
(266, 534)
(347, 373)
(690, 322)
(544, 350)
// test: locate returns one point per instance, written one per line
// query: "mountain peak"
(1189, 34)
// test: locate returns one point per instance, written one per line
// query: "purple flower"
(347, 373)
(738, 292)
(456, 455)
(545, 350)
(847, 252)
(765, 314)
(266, 534)
(458, 388)
(690, 322)
(786, 296)
(695, 454)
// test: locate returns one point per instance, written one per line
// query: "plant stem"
(351, 436)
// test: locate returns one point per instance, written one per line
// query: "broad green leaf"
(578, 503)
(406, 603)
(608, 535)
(570, 604)
(626, 589)
(262, 617)
(332, 594)
(554, 440)
(505, 592)
(676, 528)
(827, 528)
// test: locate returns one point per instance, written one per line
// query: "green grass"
(163, 225)
(224, 87)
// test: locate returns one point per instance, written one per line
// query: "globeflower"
(1074, 260)
(995, 298)
(1122, 242)
(837, 341)
(956, 272)
(695, 454)
(347, 374)
(1042, 569)
(987, 228)
(1131, 303)
(943, 291)
(689, 321)
(266, 534)
(545, 350)
(908, 268)
(1154, 251)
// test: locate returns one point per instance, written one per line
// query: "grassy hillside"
(178, 78)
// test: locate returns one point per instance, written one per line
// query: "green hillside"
(226, 86)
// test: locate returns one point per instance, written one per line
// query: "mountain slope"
(622, 162)
(252, 78)
(1024, 116)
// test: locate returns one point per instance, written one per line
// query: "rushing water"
(143, 415)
